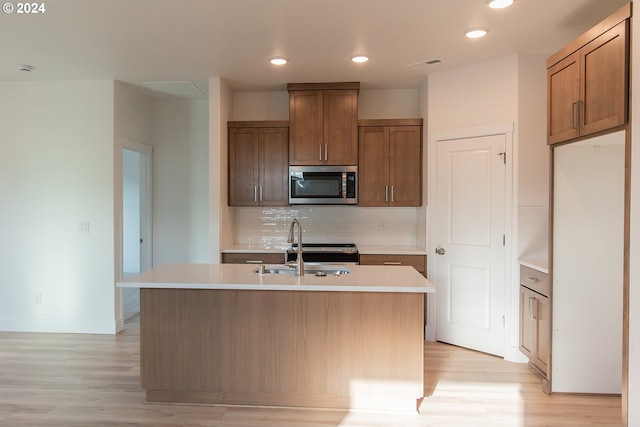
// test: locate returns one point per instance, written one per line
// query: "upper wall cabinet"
(588, 81)
(323, 120)
(258, 163)
(390, 169)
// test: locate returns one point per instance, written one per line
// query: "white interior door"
(470, 225)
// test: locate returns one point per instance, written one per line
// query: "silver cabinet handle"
(251, 261)
(392, 263)
(386, 194)
(261, 193)
(320, 153)
(392, 197)
(533, 279)
(326, 151)
(255, 193)
(440, 251)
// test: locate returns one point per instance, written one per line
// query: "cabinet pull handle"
(533, 279)
(392, 263)
(580, 113)
(326, 150)
(386, 194)
(574, 125)
(392, 197)
(320, 153)
(261, 193)
(534, 314)
(255, 193)
(531, 309)
(251, 261)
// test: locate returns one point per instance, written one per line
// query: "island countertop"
(361, 278)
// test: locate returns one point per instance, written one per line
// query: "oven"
(325, 253)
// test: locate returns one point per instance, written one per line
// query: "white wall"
(56, 170)
(533, 159)
(180, 139)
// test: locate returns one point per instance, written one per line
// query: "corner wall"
(56, 172)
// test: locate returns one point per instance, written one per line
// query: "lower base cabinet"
(535, 319)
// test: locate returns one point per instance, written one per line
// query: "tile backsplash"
(269, 226)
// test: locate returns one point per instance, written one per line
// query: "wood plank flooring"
(93, 380)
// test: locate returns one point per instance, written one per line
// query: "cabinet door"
(243, 167)
(405, 165)
(604, 76)
(274, 166)
(373, 170)
(340, 127)
(306, 144)
(542, 353)
(527, 323)
(563, 92)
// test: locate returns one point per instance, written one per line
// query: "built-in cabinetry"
(253, 257)
(390, 162)
(323, 119)
(588, 81)
(416, 261)
(258, 163)
(535, 318)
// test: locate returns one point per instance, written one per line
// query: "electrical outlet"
(39, 298)
(382, 224)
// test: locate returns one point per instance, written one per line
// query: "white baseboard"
(73, 326)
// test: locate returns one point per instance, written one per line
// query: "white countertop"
(361, 278)
(542, 265)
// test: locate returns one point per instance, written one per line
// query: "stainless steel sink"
(316, 270)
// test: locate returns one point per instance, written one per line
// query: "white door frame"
(511, 296)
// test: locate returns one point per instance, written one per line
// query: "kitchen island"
(224, 334)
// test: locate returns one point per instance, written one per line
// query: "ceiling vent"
(184, 89)
(423, 64)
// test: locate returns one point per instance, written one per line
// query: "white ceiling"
(189, 40)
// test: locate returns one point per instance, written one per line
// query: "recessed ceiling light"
(499, 4)
(360, 58)
(476, 33)
(278, 61)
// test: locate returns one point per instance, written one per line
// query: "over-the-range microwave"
(323, 185)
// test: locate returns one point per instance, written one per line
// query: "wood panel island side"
(223, 334)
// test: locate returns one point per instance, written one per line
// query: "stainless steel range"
(325, 253)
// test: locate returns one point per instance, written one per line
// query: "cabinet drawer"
(252, 258)
(535, 280)
(415, 261)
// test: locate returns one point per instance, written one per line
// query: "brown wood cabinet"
(588, 82)
(390, 162)
(323, 123)
(258, 163)
(416, 261)
(535, 318)
(253, 258)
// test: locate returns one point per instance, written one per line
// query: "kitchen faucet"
(299, 262)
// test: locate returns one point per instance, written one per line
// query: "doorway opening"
(136, 221)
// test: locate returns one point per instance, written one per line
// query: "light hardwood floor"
(93, 380)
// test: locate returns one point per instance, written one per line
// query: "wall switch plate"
(83, 227)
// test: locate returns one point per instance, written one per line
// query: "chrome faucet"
(299, 262)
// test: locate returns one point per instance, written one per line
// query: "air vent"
(422, 64)
(184, 89)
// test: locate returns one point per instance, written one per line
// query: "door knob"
(440, 251)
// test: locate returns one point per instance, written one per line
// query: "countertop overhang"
(361, 278)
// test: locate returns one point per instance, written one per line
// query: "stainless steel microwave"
(323, 185)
